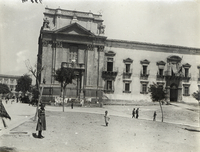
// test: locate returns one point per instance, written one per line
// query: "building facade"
(9, 80)
(120, 70)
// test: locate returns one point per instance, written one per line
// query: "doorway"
(173, 92)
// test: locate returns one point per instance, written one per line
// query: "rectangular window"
(109, 85)
(186, 92)
(186, 72)
(73, 54)
(109, 66)
(144, 70)
(161, 72)
(144, 88)
(128, 68)
(127, 87)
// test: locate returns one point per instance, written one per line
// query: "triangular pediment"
(145, 61)
(128, 60)
(74, 29)
(186, 65)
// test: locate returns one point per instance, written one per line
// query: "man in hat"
(41, 124)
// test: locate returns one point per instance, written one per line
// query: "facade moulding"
(152, 47)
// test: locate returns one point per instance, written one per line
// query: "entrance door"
(173, 92)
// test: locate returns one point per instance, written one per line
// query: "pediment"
(145, 61)
(128, 60)
(160, 63)
(74, 29)
(174, 58)
(110, 53)
(186, 65)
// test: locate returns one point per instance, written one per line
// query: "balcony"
(169, 76)
(144, 76)
(108, 91)
(160, 77)
(186, 78)
(109, 74)
(127, 75)
(73, 65)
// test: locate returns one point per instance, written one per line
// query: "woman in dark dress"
(41, 124)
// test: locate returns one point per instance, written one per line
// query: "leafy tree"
(65, 76)
(4, 89)
(24, 84)
(196, 95)
(157, 94)
(36, 1)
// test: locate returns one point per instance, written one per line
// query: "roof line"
(153, 44)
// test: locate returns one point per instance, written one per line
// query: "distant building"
(9, 80)
(121, 70)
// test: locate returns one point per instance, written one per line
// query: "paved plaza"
(83, 129)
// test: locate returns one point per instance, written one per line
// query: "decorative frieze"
(101, 48)
(57, 44)
(45, 43)
(90, 47)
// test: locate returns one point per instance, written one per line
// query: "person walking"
(137, 113)
(72, 105)
(3, 114)
(154, 116)
(107, 118)
(41, 124)
(133, 113)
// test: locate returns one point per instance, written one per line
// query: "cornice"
(71, 13)
(152, 47)
(9, 76)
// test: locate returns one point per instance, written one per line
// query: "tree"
(4, 89)
(36, 1)
(36, 72)
(24, 84)
(196, 95)
(157, 94)
(65, 76)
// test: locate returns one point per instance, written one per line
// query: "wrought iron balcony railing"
(186, 77)
(144, 76)
(109, 74)
(127, 74)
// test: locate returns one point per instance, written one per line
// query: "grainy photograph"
(99, 76)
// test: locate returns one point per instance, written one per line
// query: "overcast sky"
(174, 22)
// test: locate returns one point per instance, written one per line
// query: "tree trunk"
(41, 91)
(161, 109)
(63, 99)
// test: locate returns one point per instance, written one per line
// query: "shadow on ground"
(8, 149)
(193, 130)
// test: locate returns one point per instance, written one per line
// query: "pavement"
(21, 113)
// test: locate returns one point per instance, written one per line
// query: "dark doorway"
(173, 92)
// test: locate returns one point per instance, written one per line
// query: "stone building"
(10, 81)
(120, 70)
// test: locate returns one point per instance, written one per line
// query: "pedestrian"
(154, 116)
(133, 113)
(137, 113)
(107, 118)
(41, 124)
(72, 104)
(3, 114)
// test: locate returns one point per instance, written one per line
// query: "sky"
(171, 22)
